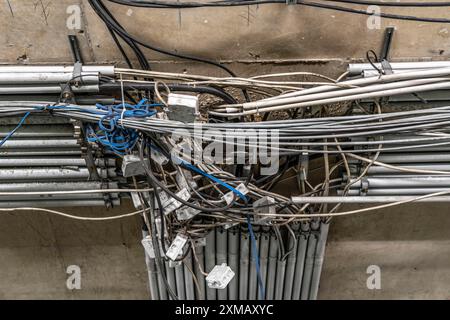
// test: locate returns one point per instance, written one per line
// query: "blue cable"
(9, 135)
(255, 254)
(109, 132)
(212, 178)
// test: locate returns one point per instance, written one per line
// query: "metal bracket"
(75, 48)
(384, 56)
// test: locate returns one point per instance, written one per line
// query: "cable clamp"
(77, 73)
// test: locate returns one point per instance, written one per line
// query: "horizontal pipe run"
(55, 186)
(53, 162)
(57, 203)
(403, 182)
(103, 70)
(33, 89)
(59, 197)
(355, 69)
(43, 131)
(51, 174)
(42, 162)
(415, 157)
(365, 199)
(429, 167)
(393, 191)
(38, 152)
(55, 78)
(41, 143)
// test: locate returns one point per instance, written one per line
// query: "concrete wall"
(410, 244)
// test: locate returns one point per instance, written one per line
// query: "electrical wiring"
(331, 151)
(106, 16)
(9, 135)
(73, 217)
(319, 5)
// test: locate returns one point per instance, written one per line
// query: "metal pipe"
(188, 277)
(233, 257)
(393, 191)
(41, 143)
(7, 78)
(418, 166)
(221, 257)
(170, 273)
(43, 162)
(48, 174)
(272, 267)
(179, 275)
(318, 260)
(264, 258)
(301, 257)
(353, 199)
(55, 197)
(57, 203)
(210, 260)
(279, 282)
(290, 266)
(152, 272)
(199, 251)
(43, 131)
(309, 264)
(34, 89)
(243, 267)
(39, 152)
(55, 186)
(355, 69)
(252, 274)
(414, 157)
(104, 70)
(402, 182)
(162, 289)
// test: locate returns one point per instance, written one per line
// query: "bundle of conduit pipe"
(95, 135)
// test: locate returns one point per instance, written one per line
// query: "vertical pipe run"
(290, 268)
(309, 263)
(318, 260)
(188, 277)
(221, 257)
(264, 258)
(199, 251)
(210, 260)
(170, 273)
(233, 262)
(253, 275)
(272, 267)
(152, 272)
(161, 285)
(179, 274)
(301, 255)
(244, 264)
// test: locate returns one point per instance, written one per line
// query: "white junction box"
(220, 277)
(183, 107)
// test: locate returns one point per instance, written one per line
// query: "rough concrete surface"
(409, 244)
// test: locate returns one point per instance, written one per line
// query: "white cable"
(66, 215)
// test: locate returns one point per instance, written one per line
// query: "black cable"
(394, 4)
(111, 22)
(104, 12)
(180, 5)
(169, 192)
(98, 6)
(222, 94)
(375, 60)
(155, 242)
